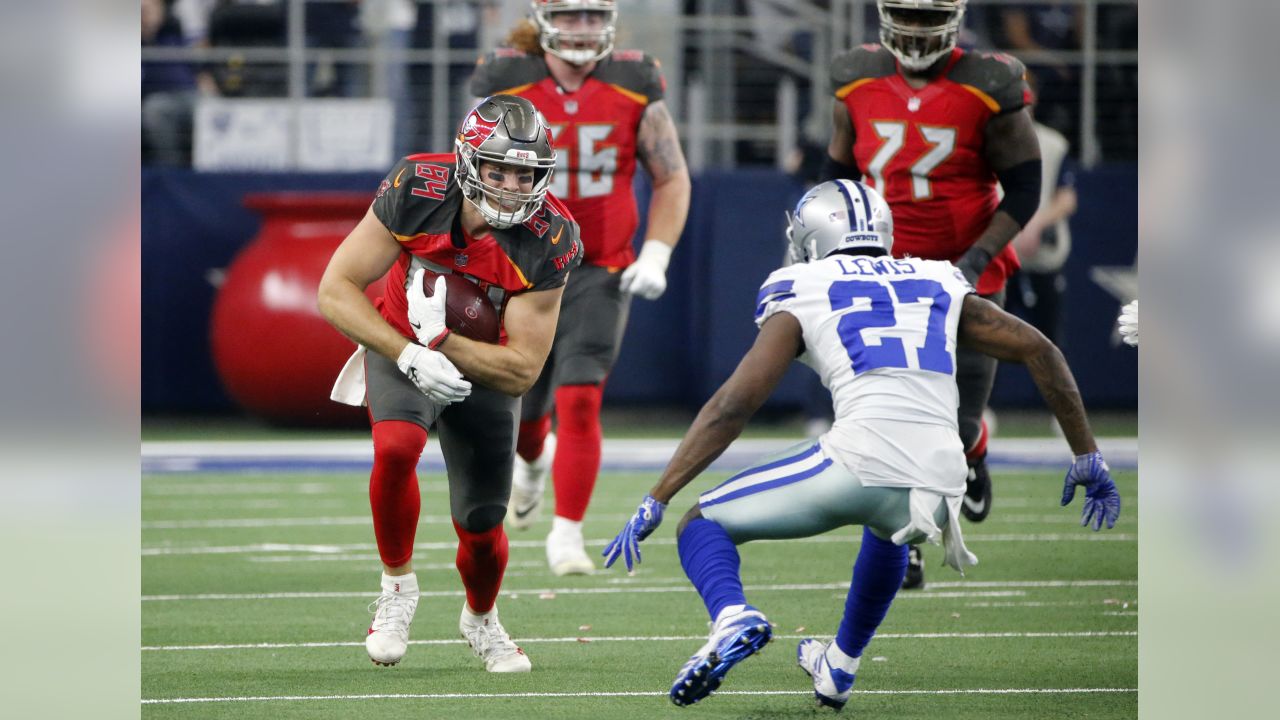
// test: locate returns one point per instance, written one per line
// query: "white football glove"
(434, 375)
(426, 314)
(647, 276)
(1128, 324)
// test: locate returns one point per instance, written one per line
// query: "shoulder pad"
(999, 79)
(553, 230)
(865, 62)
(635, 72)
(504, 69)
(407, 200)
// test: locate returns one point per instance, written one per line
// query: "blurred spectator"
(461, 23)
(1118, 83)
(168, 91)
(331, 25)
(248, 23)
(388, 29)
(1037, 28)
(1045, 242)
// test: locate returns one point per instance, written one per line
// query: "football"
(468, 310)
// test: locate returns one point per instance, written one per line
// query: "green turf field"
(1045, 627)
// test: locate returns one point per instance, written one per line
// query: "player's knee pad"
(578, 407)
(481, 520)
(481, 539)
(398, 443)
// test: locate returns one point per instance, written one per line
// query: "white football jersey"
(881, 334)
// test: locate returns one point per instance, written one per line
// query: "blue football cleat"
(733, 639)
(832, 686)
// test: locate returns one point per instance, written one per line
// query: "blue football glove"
(647, 519)
(1101, 499)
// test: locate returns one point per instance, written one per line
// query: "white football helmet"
(839, 215)
(919, 32)
(578, 48)
(509, 130)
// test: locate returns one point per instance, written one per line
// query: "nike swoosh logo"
(556, 240)
(396, 183)
(975, 506)
(414, 325)
(523, 511)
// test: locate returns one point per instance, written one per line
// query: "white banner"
(242, 134)
(326, 134)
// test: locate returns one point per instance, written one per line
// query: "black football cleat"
(914, 579)
(976, 503)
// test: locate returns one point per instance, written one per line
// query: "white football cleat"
(388, 637)
(491, 643)
(566, 550)
(832, 685)
(528, 482)
(734, 638)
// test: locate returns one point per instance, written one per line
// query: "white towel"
(349, 388)
(922, 504)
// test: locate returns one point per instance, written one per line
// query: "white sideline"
(1013, 588)
(635, 454)
(644, 693)
(656, 638)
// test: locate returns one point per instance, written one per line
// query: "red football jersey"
(924, 149)
(595, 130)
(419, 202)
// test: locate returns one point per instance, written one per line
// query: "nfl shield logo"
(460, 260)
(913, 104)
(571, 107)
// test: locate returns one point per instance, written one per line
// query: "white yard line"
(552, 594)
(326, 549)
(655, 638)
(645, 693)
(953, 589)
(367, 520)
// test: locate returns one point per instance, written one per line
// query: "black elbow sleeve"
(1021, 185)
(833, 169)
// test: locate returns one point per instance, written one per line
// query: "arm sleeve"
(1021, 185)
(833, 169)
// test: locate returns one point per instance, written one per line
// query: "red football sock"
(393, 488)
(577, 461)
(482, 560)
(533, 434)
(979, 448)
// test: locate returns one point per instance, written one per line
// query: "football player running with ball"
(606, 111)
(483, 212)
(933, 128)
(882, 335)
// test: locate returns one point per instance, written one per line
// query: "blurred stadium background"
(320, 96)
